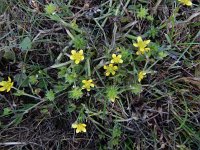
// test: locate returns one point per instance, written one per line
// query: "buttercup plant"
(80, 127)
(116, 59)
(77, 56)
(141, 75)
(76, 93)
(186, 2)
(142, 45)
(79, 73)
(87, 84)
(110, 69)
(50, 8)
(6, 85)
(112, 93)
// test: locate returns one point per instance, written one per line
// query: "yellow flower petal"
(78, 130)
(147, 49)
(147, 42)
(113, 72)
(6, 85)
(77, 62)
(142, 50)
(9, 88)
(2, 89)
(139, 39)
(110, 65)
(189, 3)
(84, 130)
(81, 52)
(114, 56)
(138, 53)
(71, 57)
(74, 125)
(186, 2)
(73, 52)
(9, 79)
(2, 83)
(115, 67)
(107, 73)
(135, 44)
(141, 76)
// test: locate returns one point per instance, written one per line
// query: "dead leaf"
(34, 4)
(191, 80)
(197, 70)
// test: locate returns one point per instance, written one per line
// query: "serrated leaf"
(26, 44)
(50, 95)
(6, 111)
(33, 79)
(50, 8)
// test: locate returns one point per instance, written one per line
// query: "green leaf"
(142, 13)
(162, 54)
(79, 42)
(18, 119)
(7, 111)
(9, 54)
(3, 6)
(76, 93)
(116, 132)
(50, 8)
(33, 79)
(21, 79)
(44, 111)
(19, 93)
(137, 88)
(71, 108)
(50, 95)
(26, 44)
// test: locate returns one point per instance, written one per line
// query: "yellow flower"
(80, 127)
(142, 45)
(141, 75)
(87, 84)
(6, 85)
(116, 59)
(110, 69)
(186, 2)
(77, 56)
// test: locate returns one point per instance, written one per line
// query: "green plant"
(99, 74)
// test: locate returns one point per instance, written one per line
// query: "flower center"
(142, 44)
(77, 56)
